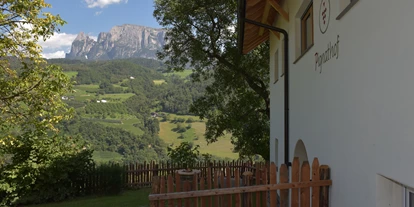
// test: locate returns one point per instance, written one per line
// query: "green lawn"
(117, 97)
(71, 74)
(127, 124)
(159, 82)
(137, 198)
(222, 148)
(87, 93)
(105, 156)
(182, 74)
(86, 87)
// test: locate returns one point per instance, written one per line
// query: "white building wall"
(357, 115)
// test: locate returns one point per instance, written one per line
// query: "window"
(409, 201)
(276, 66)
(344, 7)
(282, 59)
(307, 29)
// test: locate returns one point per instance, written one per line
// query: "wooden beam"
(279, 9)
(277, 34)
(264, 17)
(236, 190)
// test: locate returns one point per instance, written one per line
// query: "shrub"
(184, 154)
(111, 176)
(52, 174)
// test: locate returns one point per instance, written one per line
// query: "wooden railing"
(141, 174)
(259, 188)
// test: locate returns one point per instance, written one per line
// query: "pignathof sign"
(331, 52)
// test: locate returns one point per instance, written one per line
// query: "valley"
(125, 100)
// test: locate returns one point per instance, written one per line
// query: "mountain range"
(124, 41)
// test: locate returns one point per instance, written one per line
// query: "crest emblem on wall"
(324, 15)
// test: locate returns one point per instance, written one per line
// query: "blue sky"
(93, 17)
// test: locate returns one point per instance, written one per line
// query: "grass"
(117, 97)
(105, 156)
(182, 74)
(222, 148)
(86, 87)
(137, 198)
(71, 74)
(87, 93)
(127, 124)
(159, 82)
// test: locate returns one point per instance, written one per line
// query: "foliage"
(106, 87)
(134, 148)
(31, 105)
(132, 198)
(47, 172)
(112, 176)
(177, 96)
(201, 36)
(185, 154)
(114, 71)
(55, 178)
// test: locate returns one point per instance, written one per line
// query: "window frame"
(303, 29)
(407, 197)
(276, 66)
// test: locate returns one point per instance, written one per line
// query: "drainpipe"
(286, 62)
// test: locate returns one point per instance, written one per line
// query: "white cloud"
(103, 3)
(57, 54)
(98, 13)
(57, 45)
(94, 37)
(58, 40)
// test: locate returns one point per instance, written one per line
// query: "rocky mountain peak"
(81, 36)
(122, 41)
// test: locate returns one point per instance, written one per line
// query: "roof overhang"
(264, 11)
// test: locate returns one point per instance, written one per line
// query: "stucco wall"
(357, 115)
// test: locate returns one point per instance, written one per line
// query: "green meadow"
(222, 148)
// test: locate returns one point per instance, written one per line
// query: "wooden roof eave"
(263, 11)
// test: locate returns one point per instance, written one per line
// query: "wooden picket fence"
(141, 174)
(251, 189)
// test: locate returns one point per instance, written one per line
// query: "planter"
(187, 176)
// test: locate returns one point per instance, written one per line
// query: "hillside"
(116, 101)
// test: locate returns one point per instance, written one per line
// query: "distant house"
(103, 101)
(98, 101)
(65, 98)
(132, 78)
(154, 114)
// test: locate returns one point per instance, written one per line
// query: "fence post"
(284, 178)
(273, 180)
(258, 178)
(315, 177)
(305, 192)
(170, 189)
(325, 174)
(156, 170)
(237, 184)
(178, 187)
(294, 199)
(155, 190)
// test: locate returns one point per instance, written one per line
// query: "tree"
(201, 34)
(30, 99)
(185, 154)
